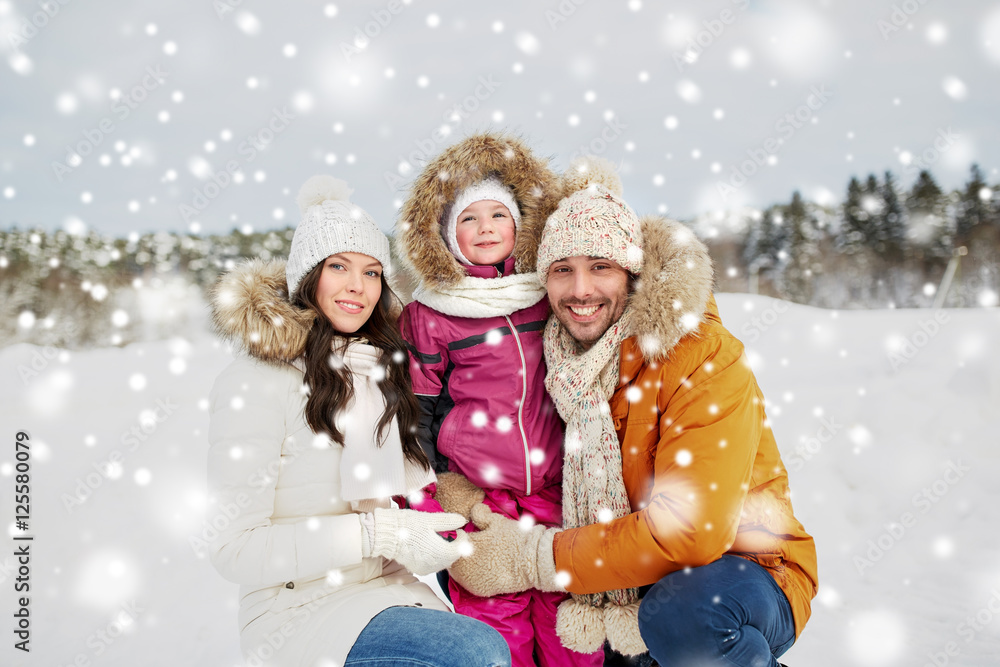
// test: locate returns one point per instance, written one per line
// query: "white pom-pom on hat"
(587, 170)
(634, 254)
(321, 188)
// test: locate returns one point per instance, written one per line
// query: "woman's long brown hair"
(331, 386)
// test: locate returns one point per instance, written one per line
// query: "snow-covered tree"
(766, 238)
(930, 228)
(854, 227)
(800, 255)
(974, 207)
(891, 223)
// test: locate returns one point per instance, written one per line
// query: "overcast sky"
(163, 96)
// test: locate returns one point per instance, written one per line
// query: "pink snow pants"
(526, 620)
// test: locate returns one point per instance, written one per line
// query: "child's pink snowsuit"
(526, 620)
(481, 385)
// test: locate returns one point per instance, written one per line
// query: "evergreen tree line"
(93, 290)
(882, 247)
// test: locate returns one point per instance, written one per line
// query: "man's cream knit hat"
(592, 221)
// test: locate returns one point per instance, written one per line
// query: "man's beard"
(588, 333)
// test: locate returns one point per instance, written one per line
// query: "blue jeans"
(410, 636)
(728, 613)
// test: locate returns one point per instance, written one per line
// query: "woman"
(312, 431)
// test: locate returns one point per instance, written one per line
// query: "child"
(474, 332)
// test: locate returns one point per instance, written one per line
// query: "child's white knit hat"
(488, 189)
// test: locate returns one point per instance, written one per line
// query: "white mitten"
(411, 539)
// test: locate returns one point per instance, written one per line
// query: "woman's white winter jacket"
(284, 532)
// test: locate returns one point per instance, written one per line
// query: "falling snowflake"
(490, 473)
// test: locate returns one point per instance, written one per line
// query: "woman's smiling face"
(349, 287)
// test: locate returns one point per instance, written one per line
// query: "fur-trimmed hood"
(536, 188)
(250, 308)
(674, 288)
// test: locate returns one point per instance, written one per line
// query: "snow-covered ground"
(887, 420)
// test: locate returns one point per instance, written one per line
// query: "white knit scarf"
(369, 473)
(580, 384)
(483, 297)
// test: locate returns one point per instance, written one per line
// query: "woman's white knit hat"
(331, 224)
(488, 189)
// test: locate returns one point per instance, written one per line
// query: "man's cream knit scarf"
(580, 384)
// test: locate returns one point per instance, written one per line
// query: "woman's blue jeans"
(411, 637)
(730, 612)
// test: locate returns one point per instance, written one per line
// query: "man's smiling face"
(587, 295)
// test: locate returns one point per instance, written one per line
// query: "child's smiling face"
(485, 232)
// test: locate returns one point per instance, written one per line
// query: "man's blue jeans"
(409, 636)
(730, 612)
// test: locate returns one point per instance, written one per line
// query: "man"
(678, 530)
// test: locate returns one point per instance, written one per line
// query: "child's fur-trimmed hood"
(535, 187)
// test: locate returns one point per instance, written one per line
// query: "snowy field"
(887, 420)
